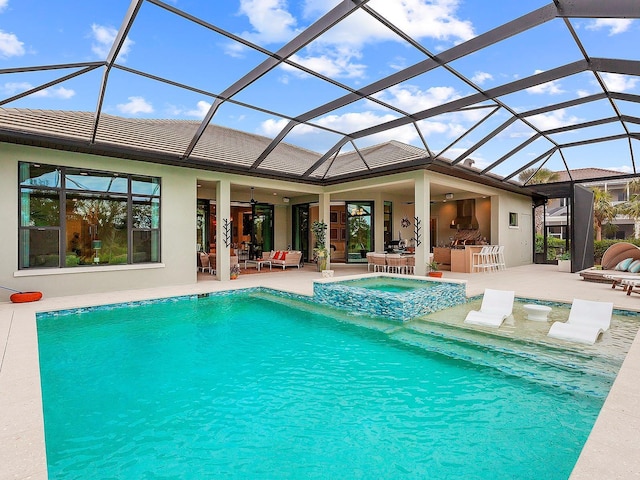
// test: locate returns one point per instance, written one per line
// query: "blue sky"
(355, 53)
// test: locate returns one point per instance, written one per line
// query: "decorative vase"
(322, 264)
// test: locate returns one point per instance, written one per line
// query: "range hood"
(466, 215)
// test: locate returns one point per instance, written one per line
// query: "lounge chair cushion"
(624, 265)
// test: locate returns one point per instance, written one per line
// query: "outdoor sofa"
(285, 258)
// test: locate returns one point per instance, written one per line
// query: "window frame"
(153, 198)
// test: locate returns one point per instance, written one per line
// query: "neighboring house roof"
(579, 174)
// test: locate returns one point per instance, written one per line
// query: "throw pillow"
(624, 265)
(634, 267)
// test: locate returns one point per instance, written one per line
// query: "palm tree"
(631, 207)
(544, 175)
(603, 210)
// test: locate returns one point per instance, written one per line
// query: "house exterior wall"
(179, 195)
(516, 239)
(178, 229)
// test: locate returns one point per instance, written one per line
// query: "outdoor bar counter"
(459, 259)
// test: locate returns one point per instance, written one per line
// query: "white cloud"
(336, 64)
(13, 88)
(412, 99)
(619, 83)
(555, 119)
(337, 51)
(271, 127)
(10, 46)
(615, 25)
(135, 106)
(3, 4)
(56, 92)
(623, 169)
(426, 19)
(200, 111)
(103, 41)
(481, 77)
(270, 20)
(550, 88)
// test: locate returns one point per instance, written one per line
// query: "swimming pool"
(255, 385)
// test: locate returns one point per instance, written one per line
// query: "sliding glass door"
(359, 231)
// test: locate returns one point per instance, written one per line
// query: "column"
(223, 219)
(324, 215)
(422, 194)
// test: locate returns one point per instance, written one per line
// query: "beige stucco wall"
(177, 234)
(178, 219)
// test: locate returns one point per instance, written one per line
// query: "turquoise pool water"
(254, 386)
(389, 284)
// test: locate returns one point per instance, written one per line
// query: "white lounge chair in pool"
(496, 306)
(587, 321)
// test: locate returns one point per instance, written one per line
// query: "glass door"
(359, 231)
(388, 223)
(301, 229)
(202, 226)
(262, 235)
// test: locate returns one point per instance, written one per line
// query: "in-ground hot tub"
(390, 296)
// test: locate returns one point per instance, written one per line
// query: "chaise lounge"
(496, 306)
(612, 257)
(587, 321)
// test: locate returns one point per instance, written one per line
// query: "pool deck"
(612, 450)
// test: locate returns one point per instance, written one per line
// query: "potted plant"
(564, 262)
(234, 271)
(320, 253)
(433, 270)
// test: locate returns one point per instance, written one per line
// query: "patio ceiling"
(555, 91)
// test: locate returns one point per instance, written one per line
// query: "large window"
(75, 217)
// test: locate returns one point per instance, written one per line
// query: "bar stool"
(411, 264)
(379, 262)
(481, 261)
(396, 263)
(500, 262)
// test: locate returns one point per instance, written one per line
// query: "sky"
(355, 53)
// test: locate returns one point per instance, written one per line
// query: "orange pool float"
(23, 297)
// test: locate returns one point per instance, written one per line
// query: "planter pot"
(435, 274)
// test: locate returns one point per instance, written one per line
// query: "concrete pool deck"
(612, 450)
